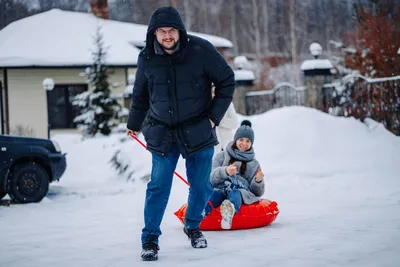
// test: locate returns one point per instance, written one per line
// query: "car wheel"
(28, 183)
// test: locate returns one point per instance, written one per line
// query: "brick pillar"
(239, 97)
(244, 82)
(317, 72)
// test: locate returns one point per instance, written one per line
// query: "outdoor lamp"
(315, 49)
(48, 84)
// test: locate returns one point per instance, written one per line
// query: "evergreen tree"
(99, 111)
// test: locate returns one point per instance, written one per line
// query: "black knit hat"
(245, 130)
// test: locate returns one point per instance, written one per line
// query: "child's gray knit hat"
(245, 130)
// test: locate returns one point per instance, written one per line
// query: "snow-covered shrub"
(99, 109)
(122, 166)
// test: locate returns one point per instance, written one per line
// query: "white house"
(57, 44)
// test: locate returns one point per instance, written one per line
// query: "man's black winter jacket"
(175, 90)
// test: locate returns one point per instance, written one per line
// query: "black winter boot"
(150, 251)
(196, 237)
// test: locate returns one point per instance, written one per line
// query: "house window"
(60, 111)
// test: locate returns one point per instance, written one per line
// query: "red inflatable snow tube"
(255, 215)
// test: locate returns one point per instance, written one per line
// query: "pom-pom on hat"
(245, 130)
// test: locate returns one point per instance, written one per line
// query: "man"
(173, 88)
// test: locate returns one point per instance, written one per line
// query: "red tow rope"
(143, 145)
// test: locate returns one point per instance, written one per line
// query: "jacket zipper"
(172, 90)
(172, 82)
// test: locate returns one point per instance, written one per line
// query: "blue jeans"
(198, 169)
(219, 195)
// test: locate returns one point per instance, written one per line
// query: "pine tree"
(98, 109)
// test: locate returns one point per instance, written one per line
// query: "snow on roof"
(244, 75)
(65, 38)
(217, 41)
(314, 64)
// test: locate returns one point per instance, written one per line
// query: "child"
(236, 176)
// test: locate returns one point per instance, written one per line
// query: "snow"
(352, 76)
(313, 64)
(336, 44)
(215, 40)
(65, 38)
(350, 50)
(241, 62)
(128, 90)
(244, 75)
(276, 88)
(336, 181)
(131, 78)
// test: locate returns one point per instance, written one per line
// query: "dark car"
(28, 166)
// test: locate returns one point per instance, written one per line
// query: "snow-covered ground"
(336, 180)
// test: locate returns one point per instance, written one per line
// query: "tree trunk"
(232, 24)
(256, 30)
(186, 10)
(204, 11)
(265, 30)
(293, 40)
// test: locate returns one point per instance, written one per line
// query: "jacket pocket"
(156, 135)
(197, 133)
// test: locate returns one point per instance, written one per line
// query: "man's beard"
(170, 48)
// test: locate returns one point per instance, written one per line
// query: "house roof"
(59, 38)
